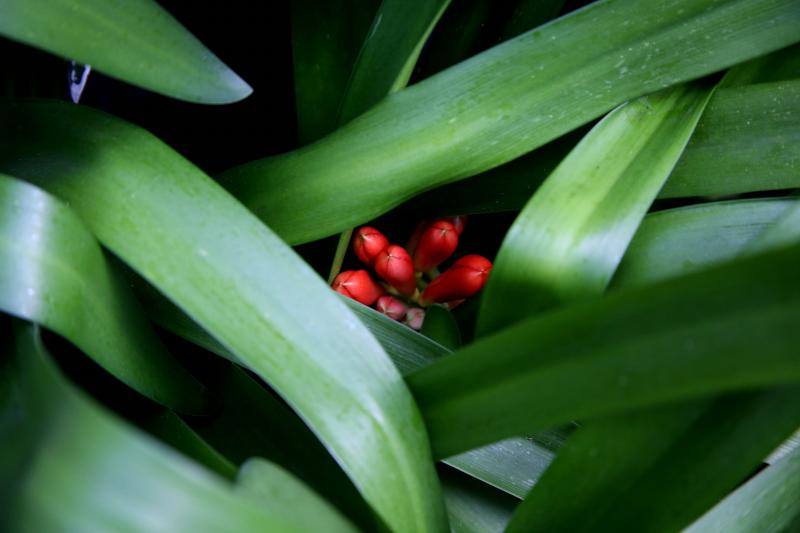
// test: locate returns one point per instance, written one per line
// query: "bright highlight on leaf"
(610, 343)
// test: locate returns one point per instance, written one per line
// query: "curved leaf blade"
(727, 328)
(87, 471)
(52, 271)
(502, 103)
(569, 238)
(683, 457)
(326, 38)
(678, 241)
(389, 53)
(135, 41)
(281, 494)
(237, 280)
(734, 121)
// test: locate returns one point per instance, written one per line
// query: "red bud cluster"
(402, 270)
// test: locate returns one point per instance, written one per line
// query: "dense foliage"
(576, 224)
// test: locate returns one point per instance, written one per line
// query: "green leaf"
(782, 65)
(674, 242)
(474, 507)
(134, 41)
(768, 503)
(326, 38)
(170, 429)
(511, 465)
(504, 188)
(250, 422)
(441, 326)
(502, 103)
(53, 272)
(237, 280)
(569, 238)
(724, 329)
(745, 143)
(281, 494)
(389, 53)
(87, 471)
(734, 121)
(683, 457)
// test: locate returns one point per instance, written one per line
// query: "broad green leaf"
(784, 232)
(768, 503)
(686, 239)
(408, 349)
(682, 457)
(85, 470)
(53, 272)
(389, 53)
(440, 326)
(279, 493)
(132, 40)
(252, 422)
(237, 280)
(745, 143)
(384, 65)
(326, 38)
(512, 465)
(172, 430)
(723, 329)
(735, 120)
(502, 103)
(569, 238)
(474, 507)
(504, 188)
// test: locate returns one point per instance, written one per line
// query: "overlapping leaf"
(724, 329)
(389, 52)
(745, 143)
(770, 502)
(720, 159)
(52, 271)
(135, 41)
(684, 457)
(568, 240)
(236, 279)
(326, 38)
(678, 241)
(503, 103)
(126, 480)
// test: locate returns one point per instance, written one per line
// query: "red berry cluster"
(404, 269)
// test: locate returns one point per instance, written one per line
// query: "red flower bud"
(358, 285)
(391, 307)
(467, 276)
(437, 243)
(414, 318)
(393, 264)
(367, 243)
(413, 241)
(459, 222)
